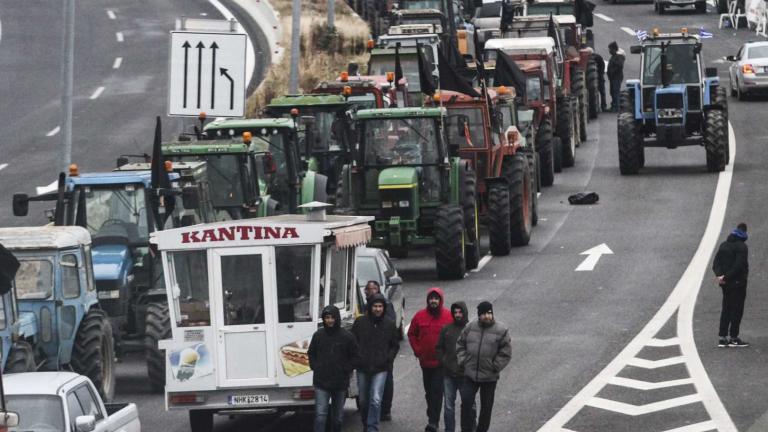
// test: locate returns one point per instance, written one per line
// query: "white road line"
(1, 31)
(53, 131)
(117, 63)
(655, 364)
(682, 298)
(697, 427)
(636, 410)
(2, 166)
(97, 93)
(119, 36)
(483, 261)
(111, 15)
(250, 55)
(45, 189)
(646, 385)
(663, 342)
(603, 17)
(628, 31)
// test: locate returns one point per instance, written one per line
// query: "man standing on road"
(371, 288)
(331, 356)
(483, 350)
(600, 63)
(615, 73)
(377, 343)
(446, 354)
(731, 267)
(423, 335)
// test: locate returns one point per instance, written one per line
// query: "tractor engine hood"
(399, 192)
(398, 178)
(111, 262)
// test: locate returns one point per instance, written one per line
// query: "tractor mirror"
(85, 423)
(190, 198)
(20, 204)
(636, 49)
(710, 72)
(9, 419)
(730, 58)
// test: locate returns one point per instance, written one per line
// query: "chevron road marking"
(655, 364)
(628, 31)
(603, 17)
(636, 410)
(646, 385)
(2, 166)
(704, 426)
(663, 342)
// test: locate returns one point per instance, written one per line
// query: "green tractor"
(404, 175)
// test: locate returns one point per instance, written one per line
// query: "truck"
(676, 102)
(65, 402)
(245, 299)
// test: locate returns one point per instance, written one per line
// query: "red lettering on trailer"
(209, 235)
(227, 233)
(190, 237)
(290, 232)
(271, 233)
(242, 232)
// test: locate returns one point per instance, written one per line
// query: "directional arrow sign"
(593, 256)
(196, 81)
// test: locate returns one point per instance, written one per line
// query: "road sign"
(207, 74)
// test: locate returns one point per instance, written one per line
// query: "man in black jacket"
(377, 342)
(331, 357)
(615, 73)
(731, 267)
(371, 288)
(446, 354)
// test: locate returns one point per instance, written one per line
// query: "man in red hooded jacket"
(423, 334)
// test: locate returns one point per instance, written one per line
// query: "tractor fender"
(457, 164)
(634, 87)
(709, 84)
(713, 107)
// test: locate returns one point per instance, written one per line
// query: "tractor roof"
(290, 101)
(546, 44)
(565, 19)
(418, 12)
(355, 82)
(110, 178)
(44, 237)
(205, 147)
(654, 37)
(382, 113)
(254, 123)
(450, 96)
(391, 52)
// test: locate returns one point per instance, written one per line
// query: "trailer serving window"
(294, 283)
(243, 285)
(189, 278)
(339, 278)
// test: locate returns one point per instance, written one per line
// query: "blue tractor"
(676, 102)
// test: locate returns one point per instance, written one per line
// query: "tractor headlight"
(404, 204)
(386, 204)
(670, 113)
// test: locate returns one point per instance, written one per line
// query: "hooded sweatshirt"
(446, 343)
(731, 259)
(616, 65)
(377, 339)
(331, 354)
(425, 331)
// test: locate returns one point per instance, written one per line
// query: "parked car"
(64, 402)
(374, 264)
(749, 69)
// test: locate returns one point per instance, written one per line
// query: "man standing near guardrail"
(615, 73)
(731, 267)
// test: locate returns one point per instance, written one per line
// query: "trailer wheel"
(499, 237)
(546, 156)
(566, 130)
(715, 140)
(631, 152)
(157, 328)
(449, 243)
(469, 209)
(520, 199)
(21, 358)
(557, 154)
(93, 354)
(593, 91)
(201, 421)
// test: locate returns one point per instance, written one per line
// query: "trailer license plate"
(249, 399)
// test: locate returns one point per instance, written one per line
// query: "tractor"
(448, 14)
(419, 191)
(368, 91)
(383, 58)
(676, 102)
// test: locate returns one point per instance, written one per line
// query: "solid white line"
(636, 410)
(119, 36)
(2, 166)
(603, 17)
(655, 364)
(646, 385)
(97, 93)
(117, 63)
(684, 293)
(53, 131)
(663, 342)
(697, 427)
(250, 55)
(628, 31)
(483, 261)
(50, 188)
(111, 15)
(1, 31)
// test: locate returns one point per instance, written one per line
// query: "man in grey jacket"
(483, 350)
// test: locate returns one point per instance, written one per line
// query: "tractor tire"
(719, 98)
(627, 102)
(546, 156)
(557, 154)
(533, 166)
(449, 243)
(200, 421)
(579, 93)
(93, 354)
(21, 358)
(593, 91)
(499, 236)
(567, 130)
(518, 176)
(661, 9)
(631, 152)
(469, 209)
(157, 328)
(715, 140)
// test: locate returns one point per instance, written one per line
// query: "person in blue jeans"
(378, 344)
(446, 354)
(332, 353)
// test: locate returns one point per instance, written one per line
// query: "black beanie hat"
(484, 307)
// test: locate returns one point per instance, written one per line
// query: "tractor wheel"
(93, 354)
(719, 97)
(593, 91)
(579, 92)
(661, 9)
(557, 154)
(20, 359)
(520, 199)
(498, 219)
(567, 130)
(201, 421)
(533, 167)
(715, 140)
(157, 328)
(546, 156)
(469, 210)
(630, 145)
(449, 243)
(627, 102)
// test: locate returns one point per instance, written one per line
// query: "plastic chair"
(760, 28)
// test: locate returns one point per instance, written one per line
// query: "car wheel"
(733, 90)
(740, 94)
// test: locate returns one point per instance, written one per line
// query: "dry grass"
(323, 55)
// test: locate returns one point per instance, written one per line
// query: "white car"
(374, 264)
(749, 69)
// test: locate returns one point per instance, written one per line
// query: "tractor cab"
(525, 27)
(382, 61)
(368, 91)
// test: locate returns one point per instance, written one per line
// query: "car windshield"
(681, 64)
(401, 141)
(760, 51)
(34, 279)
(476, 137)
(38, 413)
(421, 4)
(117, 210)
(367, 270)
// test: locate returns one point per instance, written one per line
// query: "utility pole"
(293, 80)
(67, 63)
(331, 16)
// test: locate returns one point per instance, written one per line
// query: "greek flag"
(641, 35)
(705, 34)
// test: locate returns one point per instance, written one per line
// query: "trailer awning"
(352, 236)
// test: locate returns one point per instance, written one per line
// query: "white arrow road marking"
(593, 256)
(50, 188)
(483, 261)
(97, 93)
(111, 15)
(603, 17)
(663, 342)
(117, 63)
(646, 385)
(697, 427)
(53, 131)
(629, 31)
(636, 410)
(2, 166)
(119, 36)
(655, 364)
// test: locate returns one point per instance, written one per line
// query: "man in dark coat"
(600, 63)
(615, 73)
(377, 343)
(331, 357)
(731, 267)
(371, 288)
(446, 354)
